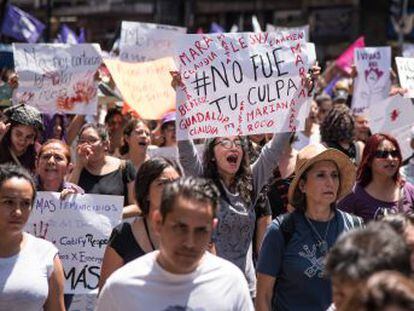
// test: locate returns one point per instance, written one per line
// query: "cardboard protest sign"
(303, 28)
(373, 82)
(241, 84)
(79, 227)
(146, 87)
(394, 115)
(141, 42)
(405, 67)
(57, 77)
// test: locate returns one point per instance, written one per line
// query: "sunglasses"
(383, 154)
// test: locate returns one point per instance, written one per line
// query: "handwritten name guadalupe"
(239, 84)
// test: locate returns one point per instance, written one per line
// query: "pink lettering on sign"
(199, 48)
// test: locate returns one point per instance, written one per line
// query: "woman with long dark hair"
(226, 162)
(130, 241)
(380, 188)
(18, 136)
(31, 273)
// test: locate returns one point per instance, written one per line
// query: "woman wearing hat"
(168, 130)
(291, 261)
(18, 136)
(380, 188)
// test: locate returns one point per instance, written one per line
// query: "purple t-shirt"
(360, 203)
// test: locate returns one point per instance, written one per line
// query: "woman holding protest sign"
(96, 172)
(53, 164)
(136, 140)
(380, 189)
(24, 257)
(130, 241)
(18, 136)
(225, 161)
(291, 259)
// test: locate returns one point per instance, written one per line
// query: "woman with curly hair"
(338, 131)
(226, 162)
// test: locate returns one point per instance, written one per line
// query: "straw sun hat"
(318, 152)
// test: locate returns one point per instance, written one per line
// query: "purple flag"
(82, 37)
(216, 28)
(67, 35)
(329, 88)
(21, 25)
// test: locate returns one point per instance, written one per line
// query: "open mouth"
(232, 159)
(142, 143)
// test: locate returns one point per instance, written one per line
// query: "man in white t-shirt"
(181, 275)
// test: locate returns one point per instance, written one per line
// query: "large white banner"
(373, 82)
(395, 116)
(79, 227)
(405, 68)
(57, 77)
(241, 84)
(141, 42)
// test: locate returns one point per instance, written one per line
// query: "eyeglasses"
(90, 140)
(383, 154)
(228, 144)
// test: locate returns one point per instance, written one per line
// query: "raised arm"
(189, 158)
(268, 159)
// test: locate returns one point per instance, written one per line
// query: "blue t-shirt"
(298, 266)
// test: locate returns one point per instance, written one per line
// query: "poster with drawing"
(373, 81)
(394, 115)
(57, 77)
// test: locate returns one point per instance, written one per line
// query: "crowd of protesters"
(314, 220)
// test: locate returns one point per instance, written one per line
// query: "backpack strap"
(286, 224)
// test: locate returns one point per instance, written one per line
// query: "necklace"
(148, 234)
(322, 244)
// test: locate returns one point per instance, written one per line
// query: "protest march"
(185, 169)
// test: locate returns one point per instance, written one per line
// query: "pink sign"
(346, 59)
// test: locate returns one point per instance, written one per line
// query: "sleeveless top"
(122, 240)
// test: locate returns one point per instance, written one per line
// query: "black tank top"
(122, 240)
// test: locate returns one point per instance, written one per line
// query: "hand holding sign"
(241, 84)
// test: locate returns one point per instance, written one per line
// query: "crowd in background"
(285, 201)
